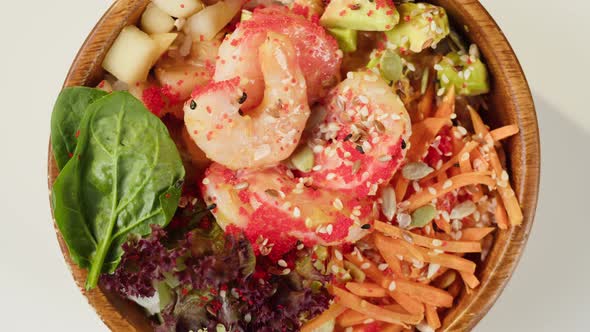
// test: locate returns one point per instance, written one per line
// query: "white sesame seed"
(329, 229)
(318, 148)
(444, 78)
(330, 176)
(448, 184)
(286, 271)
(296, 212)
(395, 117)
(363, 99)
(465, 156)
(335, 269)
(504, 176)
(392, 286)
(316, 168)
(338, 204)
(368, 321)
(432, 269)
(438, 67)
(241, 185)
(436, 242)
(300, 246)
(385, 158)
(282, 263)
(382, 266)
(206, 181)
(440, 91)
(432, 191)
(248, 317)
(338, 255)
(365, 266)
(462, 130)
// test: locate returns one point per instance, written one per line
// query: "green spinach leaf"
(125, 175)
(67, 113)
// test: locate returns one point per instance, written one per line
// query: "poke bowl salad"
(284, 165)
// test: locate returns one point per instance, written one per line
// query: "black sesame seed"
(212, 206)
(366, 226)
(456, 165)
(360, 149)
(404, 144)
(240, 112)
(243, 98)
(347, 137)
(193, 104)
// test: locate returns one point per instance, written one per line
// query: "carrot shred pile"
(413, 274)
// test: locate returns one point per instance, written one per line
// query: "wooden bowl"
(511, 103)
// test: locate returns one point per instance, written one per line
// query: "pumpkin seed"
(463, 210)
(416, 171)
(391, 66)
(422, 216)
(303, 159)
(357, 274)
(389, 205)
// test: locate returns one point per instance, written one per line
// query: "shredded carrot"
(446, 260)
(501, 133)
(447, 106)
(423, 133)
(421, 292)
(455, 288)
(425, 196)
(351, 318)
(432, 318)
(329, 314)
(424, 241)
(407, 302)
(470, 279)
(454, 160)
(392, 328)
(424, 108)
(501, 214)
(443, 224)
(475, 233)
(511, 205)
(356, 303)
(446, 279)
(389, 248)
(366, 289)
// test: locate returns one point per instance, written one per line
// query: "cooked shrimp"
(275, 210)
(317, 53)
(183, 73)
(361, 142)
(267, 134)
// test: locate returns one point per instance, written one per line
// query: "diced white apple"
(163, 40)
(209, 21)
(155, 20)
(179, 8)
(131, 56)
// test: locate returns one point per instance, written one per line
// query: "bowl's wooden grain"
(511, 103)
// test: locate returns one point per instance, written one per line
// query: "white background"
(548, 292)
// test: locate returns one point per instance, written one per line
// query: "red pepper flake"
(209, 135)
(388, 27)
(389, 12)
(180, 82)
(407, 18)
(300, 10)
(181, 5)
(184, 291)
(370, 12)
(208, 108)
(101, 84)
(167, 195)
(70, 154)
(342, 12)
(354, 6)
(78, 133)
(201, 38)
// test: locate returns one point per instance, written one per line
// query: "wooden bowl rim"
(472, 308)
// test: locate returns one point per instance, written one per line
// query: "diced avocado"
(466, 72)
(422, 25)
(362, 15)
(346, 38)
(246, 15)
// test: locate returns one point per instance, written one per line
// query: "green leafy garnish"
(67, 114)
(125, 175)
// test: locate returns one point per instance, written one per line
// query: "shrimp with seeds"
(360, 143)
(271, 131)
